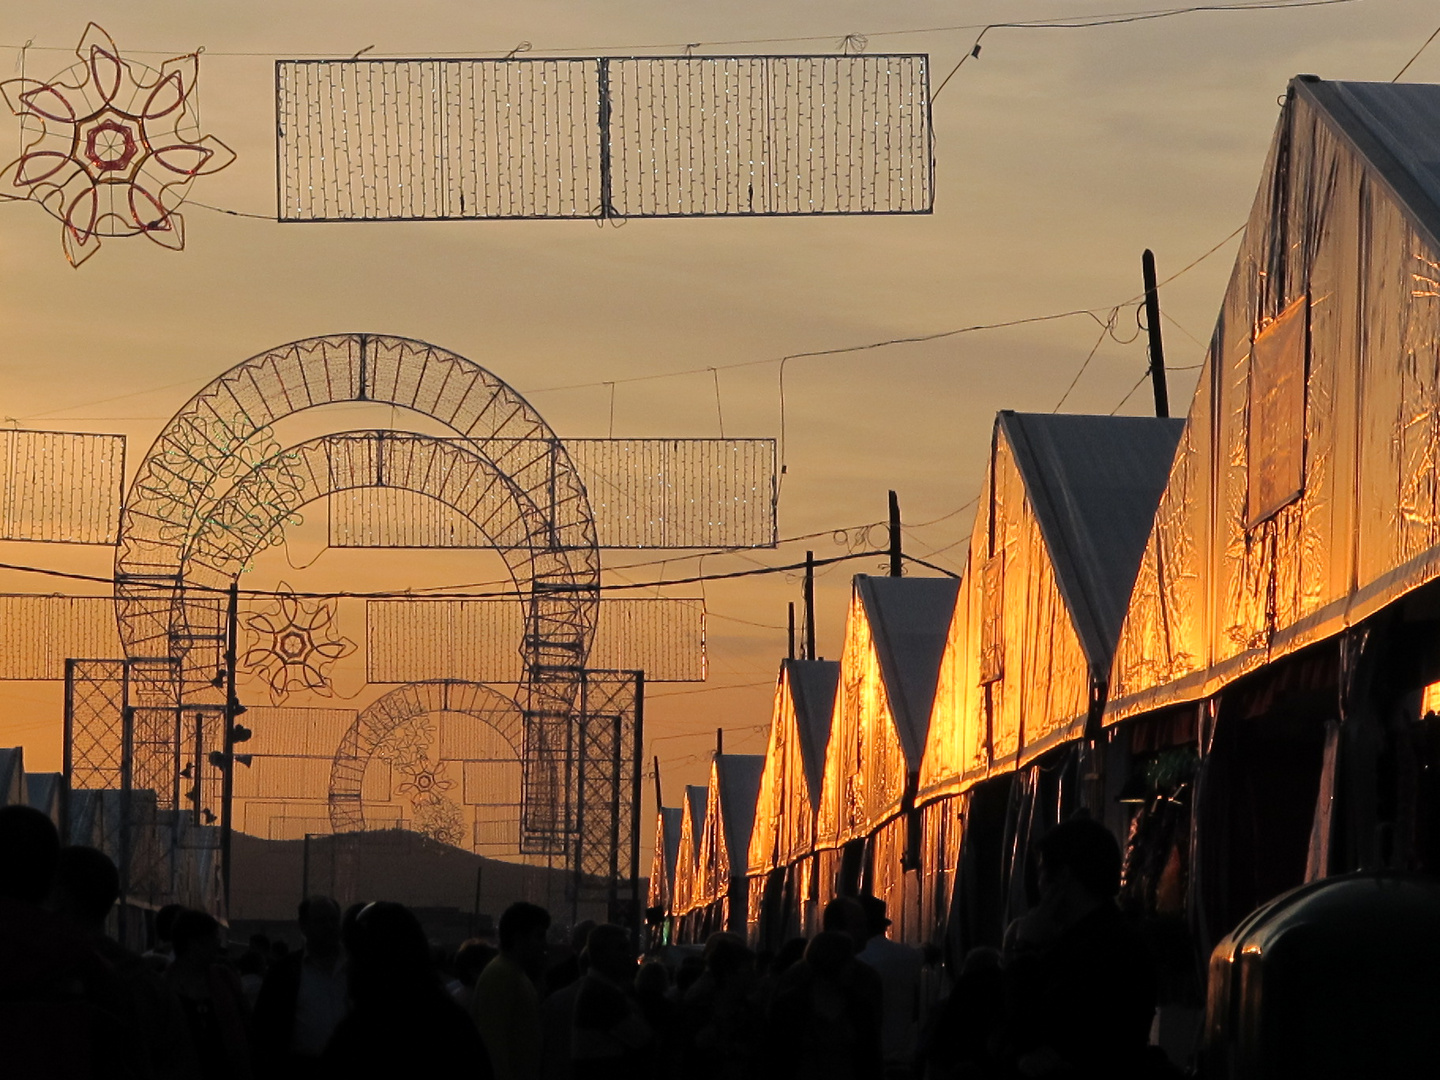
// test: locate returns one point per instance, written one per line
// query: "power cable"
(1418, 51)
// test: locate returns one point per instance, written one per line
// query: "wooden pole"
(809, 605)
(1152, 323)
(895, 555)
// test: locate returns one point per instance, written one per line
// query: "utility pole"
(719, 741)
(1152, 324)
(809, 605)
(791, 652)
(895, 555)
(231, 734)
(659, 802)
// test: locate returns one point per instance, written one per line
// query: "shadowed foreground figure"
(402, 1022)
(1079, 981)
(304, 996)
(506, 1004)
(87, 884)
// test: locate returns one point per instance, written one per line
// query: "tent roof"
(812, 688)
(737, 779)
(671, 821)
(1094, 483)
(695, 796)
(909, 621)
(1395, 127)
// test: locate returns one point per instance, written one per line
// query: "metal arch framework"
(214, 487)
(387, 714)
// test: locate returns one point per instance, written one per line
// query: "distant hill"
(392, 864)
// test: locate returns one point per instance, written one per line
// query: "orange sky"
(1060, 155)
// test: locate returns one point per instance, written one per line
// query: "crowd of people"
(1070, 994)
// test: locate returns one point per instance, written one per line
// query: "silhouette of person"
(506, 1003)
(211, 998)
(402, 1022)
(722, 1025)
(304, 995)
(56, 996)
(610, 1039)
(825, 1016)
(898, 966)
(1079, 982)
(87, 884)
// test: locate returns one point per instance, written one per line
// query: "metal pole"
(227, 775)
(127, 776)
(196, 795)
(791, 652)
(637, 913)
(895, 567)
(1152, 324)
(612, 888)
(809, 605)
(68, 750)
(606, 172)
(580, 804)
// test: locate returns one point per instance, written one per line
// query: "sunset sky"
(1060, 155)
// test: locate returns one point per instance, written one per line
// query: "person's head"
(319, 918)
(608, 952)
(844, 915)
(196, 937)
(876, 917)
(165, 923)
(652, 980)
(789, 955)
(86, 886)
(29, 846)
(580, 935)
(388, 953)
(691, 968)
(522, 934)
(1080, 854)
(726, 954)
(829, 954)
(471, 958)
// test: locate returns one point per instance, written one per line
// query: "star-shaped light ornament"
(111, 146)
(293, 644)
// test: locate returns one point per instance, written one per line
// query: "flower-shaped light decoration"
(407, 748)
(293, 644)
(111, 146)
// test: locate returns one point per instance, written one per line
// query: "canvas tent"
(44, 791)
(660, 898)
(894, 638)
(725, 845)
(780, 867)
(687, 891)
(1063, 518)
(1305, 494)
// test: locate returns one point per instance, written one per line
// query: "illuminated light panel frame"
(595, 138)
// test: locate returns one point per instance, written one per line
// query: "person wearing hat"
(898, 966)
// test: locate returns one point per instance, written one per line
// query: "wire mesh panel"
(644, 493)
(94, 722)
(701, 136)
(605, 778)
(61, 487)
(679, 493)
(434, 139)
(417, 640)
(669, 136)
(38, 633)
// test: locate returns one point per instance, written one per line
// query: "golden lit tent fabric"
(1305, 496)
(729, 819)
(661, 893)
(894, 639)
(692, 828)
(1063, 519)
(784, 832)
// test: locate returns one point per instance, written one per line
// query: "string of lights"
(847, 42)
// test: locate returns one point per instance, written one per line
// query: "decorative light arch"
(215, 488)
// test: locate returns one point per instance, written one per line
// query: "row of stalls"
(1216, 635)
(163, 856)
